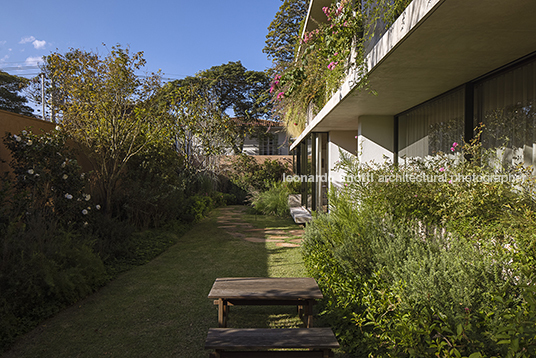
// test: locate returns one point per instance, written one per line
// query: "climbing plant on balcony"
(326, 55)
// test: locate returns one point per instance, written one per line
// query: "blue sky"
(179, 37)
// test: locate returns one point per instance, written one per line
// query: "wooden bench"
(295, 291)
(260, 342)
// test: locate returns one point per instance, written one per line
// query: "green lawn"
(161, 309)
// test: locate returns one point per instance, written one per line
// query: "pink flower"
(332, 65)
(454, 145)
(450, 181)
(280, 95)
(441, 169)
(452, 149)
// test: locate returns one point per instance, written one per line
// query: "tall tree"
(243, 91)
(198, 127)
(104, 106)
(284, 31)
(10, 99)
(231, 87)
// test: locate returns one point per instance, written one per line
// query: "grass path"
(161, 309)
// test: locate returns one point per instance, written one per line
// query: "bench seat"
(260, 342)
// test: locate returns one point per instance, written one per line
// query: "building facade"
(440, 70)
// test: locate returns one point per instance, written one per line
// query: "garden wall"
(14, 123)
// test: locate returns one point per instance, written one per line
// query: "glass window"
(433, 126)
(505, 105)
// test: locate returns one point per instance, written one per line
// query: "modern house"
(443, 67)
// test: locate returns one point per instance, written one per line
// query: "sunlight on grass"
(161, 309)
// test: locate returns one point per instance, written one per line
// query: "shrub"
(431, 268)
(197, 207)
(43, 268)
(47, 178)
(251, 176)
(273, 201)
(47, 259)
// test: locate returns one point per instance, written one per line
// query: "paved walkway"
(231, 220)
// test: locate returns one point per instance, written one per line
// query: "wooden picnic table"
(292, 291)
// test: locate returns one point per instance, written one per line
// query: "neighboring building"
(442, 68)
(268, 138)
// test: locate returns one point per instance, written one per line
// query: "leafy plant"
(273, 201)
(436, 266)
(252, 176)
(326, 56)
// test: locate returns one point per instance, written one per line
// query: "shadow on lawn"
(161, 309)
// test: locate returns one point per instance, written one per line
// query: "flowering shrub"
(48, 179)
(325, 56)
(429, 258)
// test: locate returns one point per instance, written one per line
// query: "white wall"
(340, 141)
(376, 138)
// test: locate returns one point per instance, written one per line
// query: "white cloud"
(39, 44)
(3, 42)
(33, 61)
(27, 39)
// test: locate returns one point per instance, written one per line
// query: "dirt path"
(230, 219)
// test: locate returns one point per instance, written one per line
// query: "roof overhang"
(315, 15)
(434, 46)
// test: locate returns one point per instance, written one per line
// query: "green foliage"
(44, 267)
(197, 127)
(253, 176)
(284, 30)
(273, 201)
(199, 107)
(154, 189)
(56, 246)
(432, 267)
(106, 108)
(325, 56)
(10, 99)
(47, 179)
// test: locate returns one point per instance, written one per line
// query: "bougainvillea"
(325, 56)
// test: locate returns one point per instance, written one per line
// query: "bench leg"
(309, 314)
(215, 354)
(223, 312)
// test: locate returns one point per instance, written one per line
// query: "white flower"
(97, 207)
(24, 132)
(86, 224)
(63, 164)
(82, 175)
(84, 212)
(58, 128)
(68, 196)
(30, 171)
(65, 176)
(17, 138)
(29, 142)
(87, 196)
